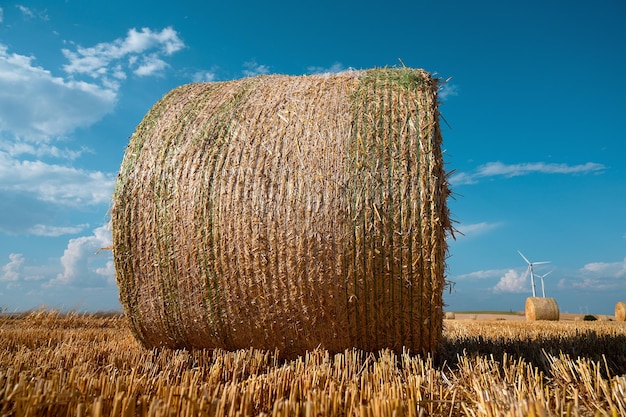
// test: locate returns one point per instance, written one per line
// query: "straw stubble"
(286, 212)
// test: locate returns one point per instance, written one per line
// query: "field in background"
(519, 315)
(81, 365)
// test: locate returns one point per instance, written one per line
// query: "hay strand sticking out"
(540, 308)
(620, 311)
(286, 213)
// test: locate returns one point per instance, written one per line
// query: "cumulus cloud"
(597, 276)
(447, 90)
(150, 64)
(204, 76)
(608, 269)
(15, 273)
(12, 270)
(39, 109)
(499, 169)
(36, 105)
(84, 262)
(252, 68)
(140, 52)
(18, 148)
(334, 68)
(61, 185)
(512, 281)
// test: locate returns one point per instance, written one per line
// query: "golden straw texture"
(620, 311)
(286, 213)
(540, 308)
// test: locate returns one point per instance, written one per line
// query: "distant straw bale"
(620, 311)
(286, 213)
(542, 308)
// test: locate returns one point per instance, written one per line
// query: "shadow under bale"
(606, 348)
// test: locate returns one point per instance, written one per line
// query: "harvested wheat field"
(91, 365)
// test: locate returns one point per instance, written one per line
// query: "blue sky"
(535, 135)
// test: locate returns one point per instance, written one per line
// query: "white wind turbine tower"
(530, 269)
(543, 291)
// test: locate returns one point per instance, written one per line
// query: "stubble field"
(90, 365)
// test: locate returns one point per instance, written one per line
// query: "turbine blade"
(539, 263)
(527, 261)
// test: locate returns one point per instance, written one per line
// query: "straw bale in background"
(620, 311)
(542, 308)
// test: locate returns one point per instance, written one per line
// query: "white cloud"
(476, 229)
(607, 269)
(12, 270)
(18, 147)
(36, 105)
(447, 90)
(61, 185)
(140, 51)
(84, 262)
(53, 231)
(107, 271)
(204, 76)
(335, 68)
(596, 276)
(592, 284)
(494, 169)
(511, 281)
(25, 11)
(480, 275)
(599, 276)
(514, 170)
(252, 69)
(150, 64)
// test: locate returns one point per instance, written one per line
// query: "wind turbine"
(543, 291)
(530, 269)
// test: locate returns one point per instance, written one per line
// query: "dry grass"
(81, 365)
(286, 212)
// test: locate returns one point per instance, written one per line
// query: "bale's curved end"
(542, 308)
(286, 213)
(620, 311)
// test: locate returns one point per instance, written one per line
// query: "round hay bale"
(288, 213)
(450, 315)
(620, 311)
(541, 308)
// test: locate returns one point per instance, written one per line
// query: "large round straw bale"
(541, 308)
(620, 311)
(286, 213)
